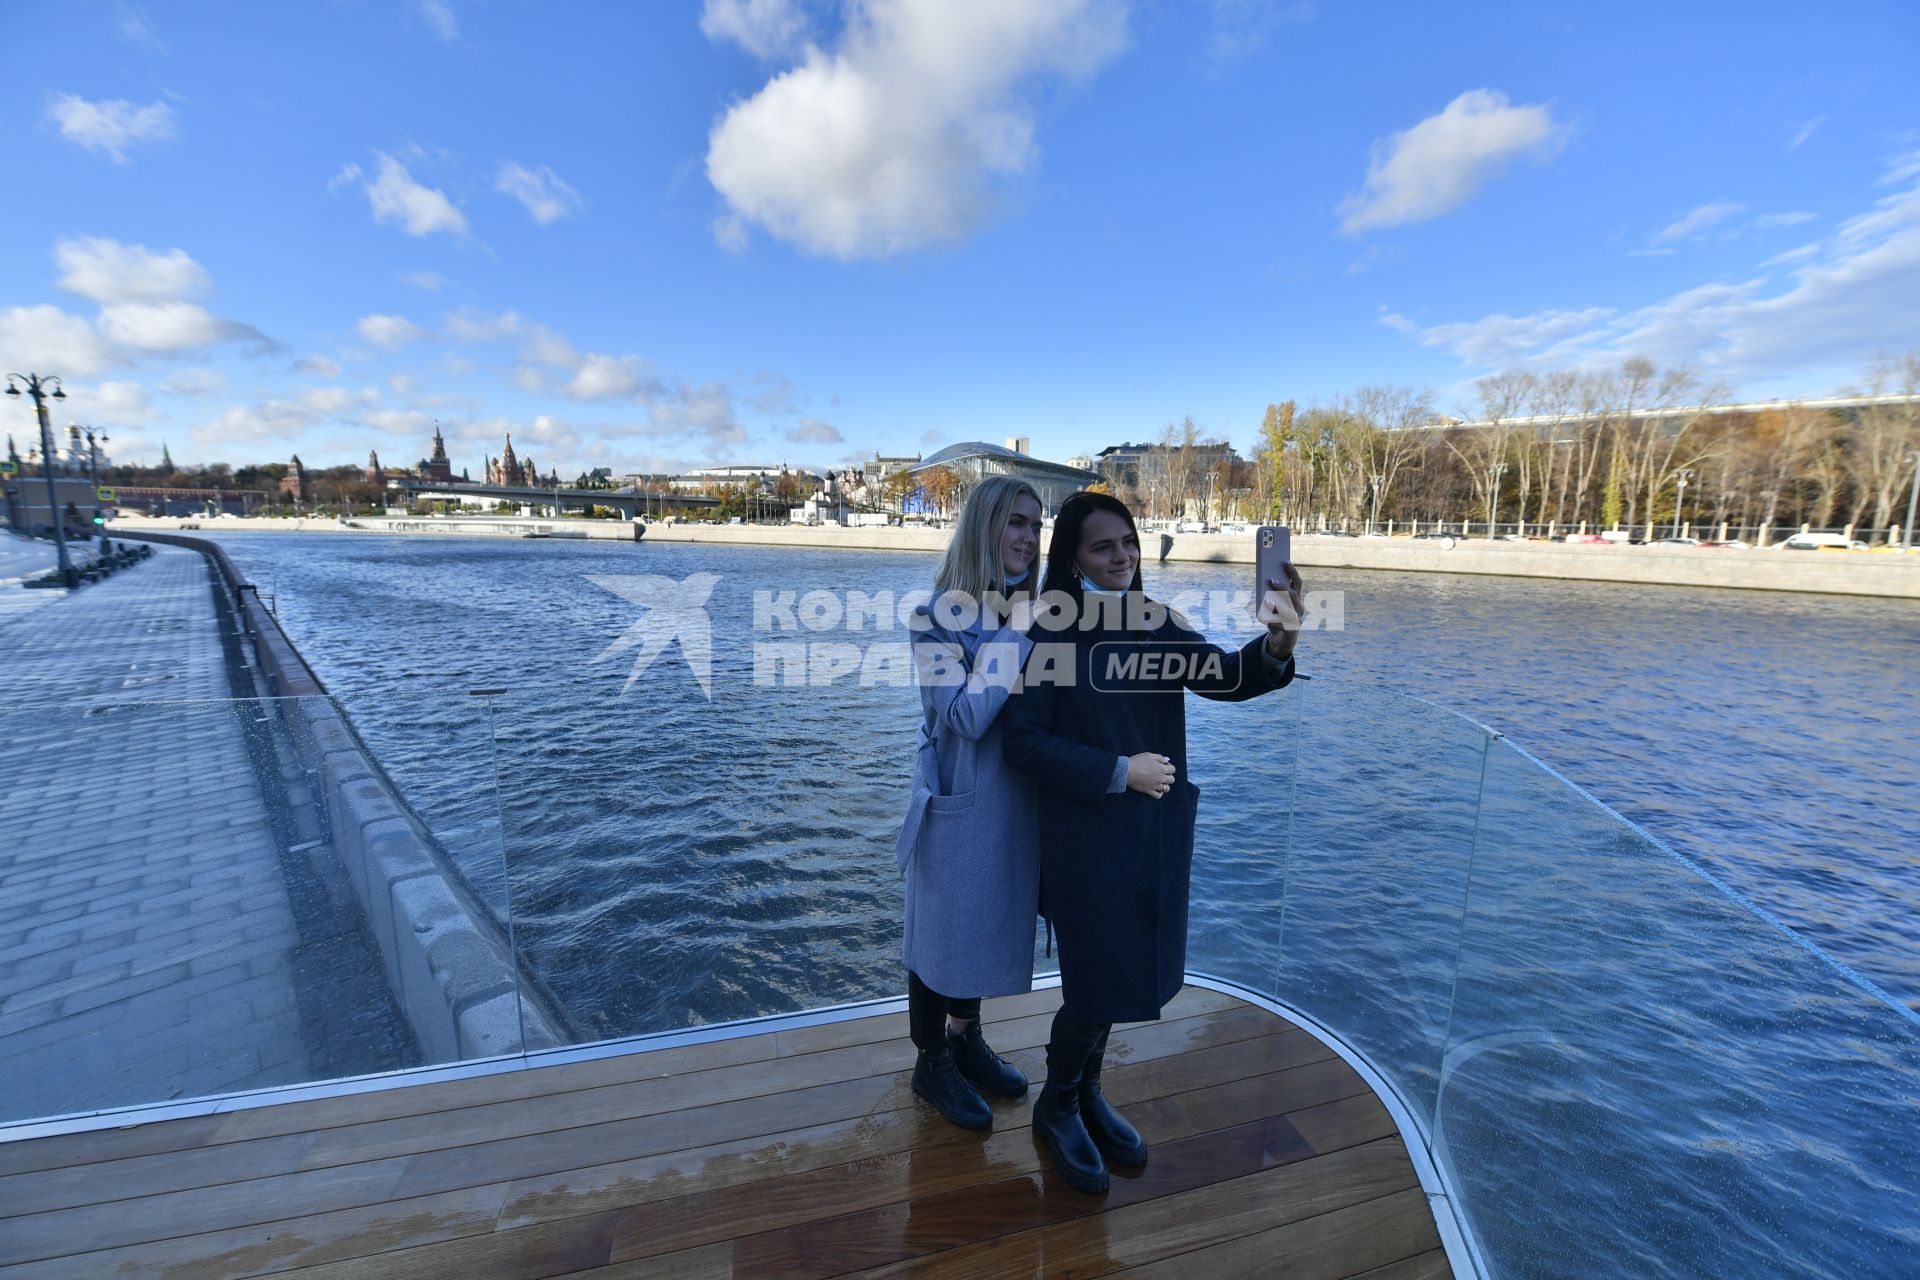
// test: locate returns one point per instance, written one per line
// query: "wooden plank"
(916, 1129)
(1432, 1265)
(713, 1262)
(158, 1213)
(159, 1217)
(1329, 1246)
(826, 1190)
(28, 1155)
(531, 1253)
(1130, 1235)
(506, 1086)
(1216, 1026)
(283, 1245)
(930, 1224)
(389, 1139)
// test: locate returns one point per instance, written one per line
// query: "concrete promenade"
(147, 940)
(1859, 573)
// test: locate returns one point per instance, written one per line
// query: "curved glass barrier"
(204, 898)
(1616, 1066)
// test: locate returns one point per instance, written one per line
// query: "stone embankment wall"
(447, 960)
(1858, 573)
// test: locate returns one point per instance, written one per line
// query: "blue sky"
(650, 236)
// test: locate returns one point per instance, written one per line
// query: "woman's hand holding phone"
(1149, 773)
(1282, 606)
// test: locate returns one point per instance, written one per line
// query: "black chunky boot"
(1118, 1140)
(980, 1064)
(1056, 1119)
(937, 1078)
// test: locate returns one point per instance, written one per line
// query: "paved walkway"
(146, 936)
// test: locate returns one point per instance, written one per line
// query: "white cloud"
(136, 28)
(1800, 254)
(111, 126)
(1443, 161)
(767, 29)
(192, 382)
(1501, 340)
(603, 377)
(318, 364)
(389, 333)
(469, 324)
(1804, 132)
(162, 326)
(1851, 297)
(1652, 253)
(894, 139)
(1394, 320)
(111, 403)
(439, 17)
(458, 366)
(1794, 219)
(403, 384)
(546, 346)
(704, 411)
(395, 197)
(547, 198)
(431, 281)
(813, 431)
(282, 420)
(1701, 219)
(108, 271)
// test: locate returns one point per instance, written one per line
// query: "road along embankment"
(1851, 573)
(453, 975)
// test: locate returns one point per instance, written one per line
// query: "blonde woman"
(968, 847)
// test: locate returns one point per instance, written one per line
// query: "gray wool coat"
(969, 847)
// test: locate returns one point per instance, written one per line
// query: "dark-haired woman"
(1106, 744)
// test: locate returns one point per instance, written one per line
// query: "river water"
(671, 854)
(1775, 739)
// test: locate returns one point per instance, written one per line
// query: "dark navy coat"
(1114, 867)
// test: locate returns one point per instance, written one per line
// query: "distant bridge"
(628, 502)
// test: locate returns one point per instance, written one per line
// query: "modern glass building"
(975, 460)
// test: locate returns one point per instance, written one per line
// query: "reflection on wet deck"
(791, 1153)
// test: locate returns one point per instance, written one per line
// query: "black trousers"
(927, 1012)
(1073, 1044)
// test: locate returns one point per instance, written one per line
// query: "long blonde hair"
(972, 562)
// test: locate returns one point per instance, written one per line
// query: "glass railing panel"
(1643, 1076)
(184, 907)
(1371, 855)
(675, 862)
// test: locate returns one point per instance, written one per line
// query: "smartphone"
(1272, 552)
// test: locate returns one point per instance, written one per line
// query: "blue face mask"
(1020, 578)
(1087, 586)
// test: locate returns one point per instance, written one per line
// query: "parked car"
(1819, 542)
(1733, 543)
(1676, 542)
(1584, 538)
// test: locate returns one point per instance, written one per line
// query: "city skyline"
(674, 237)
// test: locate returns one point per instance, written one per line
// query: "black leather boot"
(937, 1078)
(980, 1064)
(1118, 1140)
(1056, 1119)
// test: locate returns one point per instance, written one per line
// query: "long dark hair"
(1065, 546)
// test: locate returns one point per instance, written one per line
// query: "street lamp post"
(93, 474)
(41, 390)
(1680, 497)
(1497, 470)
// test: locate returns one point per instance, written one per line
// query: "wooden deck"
(793, 1153)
